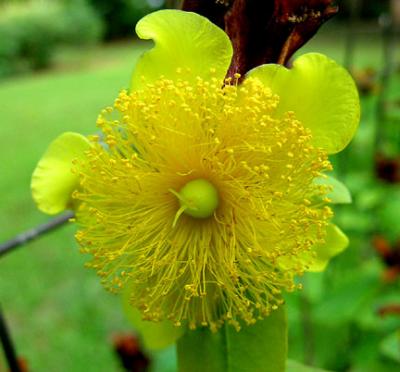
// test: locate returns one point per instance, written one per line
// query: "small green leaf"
(340, 194)
(261, 347)
(335, 242)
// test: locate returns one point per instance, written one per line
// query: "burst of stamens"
(232, 264)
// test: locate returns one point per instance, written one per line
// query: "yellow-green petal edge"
(339, 193)
(185, 41)
(321, 93)
(53, 180)
(154, 335)
(335, 242)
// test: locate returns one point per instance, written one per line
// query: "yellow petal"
(322, 95)
(53, 181)
(335, 242)
(185, 42)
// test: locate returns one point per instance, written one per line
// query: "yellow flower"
(205, 197)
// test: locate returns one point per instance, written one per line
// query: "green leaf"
(261, 347)
(390, 346)
(335, 242)
(345, 302)
(340, 194)
(155, 335)
(387, 213)
(200, 348)
(293, 366)
(163, 360)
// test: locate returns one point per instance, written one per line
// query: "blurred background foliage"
(346, 319)
(31, 30)
(120, 16)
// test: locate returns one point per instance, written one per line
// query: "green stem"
(261, 347)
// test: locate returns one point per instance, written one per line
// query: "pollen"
(201, 201)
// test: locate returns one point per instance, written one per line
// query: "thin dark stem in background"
(8, 347)
(388, 57)
(31, 234)
(352, 33)
(352, 37)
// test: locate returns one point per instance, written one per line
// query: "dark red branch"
(264, 31)
(213, 10)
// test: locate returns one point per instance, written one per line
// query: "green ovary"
(198, 198)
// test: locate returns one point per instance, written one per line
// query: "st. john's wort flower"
(205, 197)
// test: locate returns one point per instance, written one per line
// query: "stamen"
(248, 215)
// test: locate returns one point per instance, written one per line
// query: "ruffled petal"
(154, 335)
(335, 242)
(187, 46)
(321, 93)
(53, 181)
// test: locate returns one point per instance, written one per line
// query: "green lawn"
(61, 318)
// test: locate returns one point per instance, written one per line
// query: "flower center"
(198, 198)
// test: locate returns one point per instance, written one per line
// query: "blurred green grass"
(61, 318)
